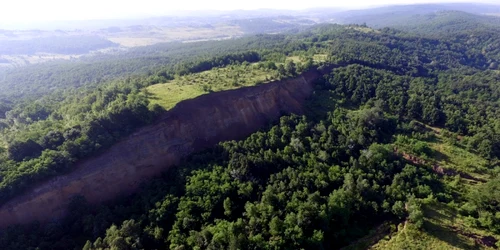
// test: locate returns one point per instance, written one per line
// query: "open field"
(320, 57)
(150, 35)
(443, 226)
(442, 229)
(457, 158)
(169, 94)
(295, 59)
(126, 37)
(20, 60)
(316, 58)
(365, 29)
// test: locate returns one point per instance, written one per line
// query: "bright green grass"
(451, 156)
(169, 94)
(320, 57)
(442, 229)
(316, 58)
(365, 29)
(411, 238)
(186, 87)
(295, 59)
(455, 157)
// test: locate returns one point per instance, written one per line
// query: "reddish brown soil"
(191, 126)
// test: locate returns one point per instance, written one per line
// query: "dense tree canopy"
(360, 156)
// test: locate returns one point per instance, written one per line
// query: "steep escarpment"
(189, 127)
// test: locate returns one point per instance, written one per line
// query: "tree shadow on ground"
(440, 157)
(448, 235)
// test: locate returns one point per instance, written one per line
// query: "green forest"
(399, 147)
(59, 45)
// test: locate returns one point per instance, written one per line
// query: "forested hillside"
(399, 147)
(414, 15)
(39, 80)
(60, 45)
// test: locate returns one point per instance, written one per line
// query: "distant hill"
(402, 15)
(475, 31)
(55, 44)
(448, 21)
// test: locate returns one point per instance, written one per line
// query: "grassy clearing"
(186, 87)
(316, 58)
(449, 154)
(169, 94)
(408, 237)
(320, 57)
(365, 29)
(295, 59)
(442, 229)
(22, 60)
(455, 157)
(134, 38)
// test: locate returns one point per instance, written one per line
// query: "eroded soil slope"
(189, 127)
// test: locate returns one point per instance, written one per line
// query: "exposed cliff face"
(189, 127)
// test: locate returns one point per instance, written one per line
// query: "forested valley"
(399, 147)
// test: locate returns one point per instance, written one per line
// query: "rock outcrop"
(189, 127)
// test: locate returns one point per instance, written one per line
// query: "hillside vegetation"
(404, 16)
(399, 147)
(190, 86)
(168, 94)
(57, 45)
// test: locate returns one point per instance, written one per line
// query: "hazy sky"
(31, 10)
